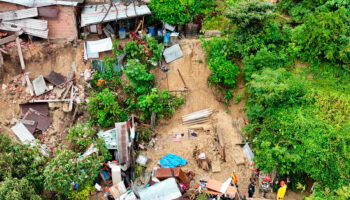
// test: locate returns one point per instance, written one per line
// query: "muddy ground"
(43, 58)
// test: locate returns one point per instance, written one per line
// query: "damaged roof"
(40, 3)
(95, 14)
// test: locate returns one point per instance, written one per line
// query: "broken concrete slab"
(172, 53)
(39, 85)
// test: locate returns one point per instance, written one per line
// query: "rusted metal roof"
(123, 141)
(43, 108)
(56, 78)
(95, 14)
(43, 121)
(40, 3)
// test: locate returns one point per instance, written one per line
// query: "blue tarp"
(172, 160)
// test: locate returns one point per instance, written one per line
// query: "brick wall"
(63, 27)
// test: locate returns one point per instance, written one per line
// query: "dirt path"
(195, 73)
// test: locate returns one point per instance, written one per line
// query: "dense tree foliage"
(22, 162)
(299, 122)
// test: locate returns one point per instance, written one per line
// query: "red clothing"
(267, 179)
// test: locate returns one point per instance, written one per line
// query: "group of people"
(265, 186)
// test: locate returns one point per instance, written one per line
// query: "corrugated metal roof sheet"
(172, 53)
(22, 133)
(40, 3)
(29, 23)
(35, 32)
(94, 14)
(19, 14)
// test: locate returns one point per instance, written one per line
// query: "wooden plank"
(10, 38)
(19, 14)
(20, 53)
(30, 86)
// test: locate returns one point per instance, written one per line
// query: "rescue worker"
(266, 185)
(281, 191)
(251, 188)
(234, 178)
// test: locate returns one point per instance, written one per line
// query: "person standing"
(234, 178)
(281, 191)
(251, 188)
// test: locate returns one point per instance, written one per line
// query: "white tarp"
(94, 14)
(22, 133)
(94, 47)
(164, 190)
(248, 152)
(172, 53)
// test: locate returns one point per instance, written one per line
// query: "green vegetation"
(298, 114)
(19, 165)
(224, 72)
(104, 109)
(81, 136)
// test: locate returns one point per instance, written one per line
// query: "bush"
(323, 37)
(224, 72)
(65, 170)
(174, 11)
(81, 136)
(16, 189)
(104, 109)
(21, 162)
(155, 49)
(140, 79)
(135, 51)
(262, 59)
(162, 104)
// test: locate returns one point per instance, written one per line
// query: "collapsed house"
(49, 19)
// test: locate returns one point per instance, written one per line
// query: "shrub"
(21, 162)
(104, 109)
(13, 188)
(262, 59)
(81, 136)
(170, 11)
(140, 79)
(65, 170)
(156, 49)
(135, 51)
(323, 37)
(162, 104)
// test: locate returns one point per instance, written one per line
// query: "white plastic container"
(116, 174)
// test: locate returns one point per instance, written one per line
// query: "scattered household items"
(116, 174)
(164, 190)
(96, 14)
(172, 160)
(164, 173)
(202, 159)
(197, 117)
(213, 187)
(172, 53)
(142, 159)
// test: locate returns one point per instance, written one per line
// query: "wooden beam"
(20, 53)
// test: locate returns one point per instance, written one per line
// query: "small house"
(49, 19)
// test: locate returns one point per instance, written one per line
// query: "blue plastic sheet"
(172, 160)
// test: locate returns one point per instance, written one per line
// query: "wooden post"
(222, 143)
(20, 53)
